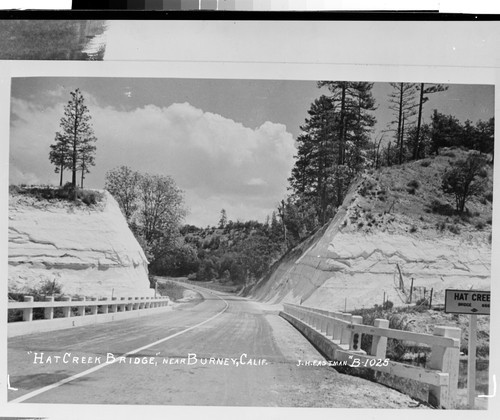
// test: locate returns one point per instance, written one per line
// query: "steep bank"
(88, 250)
(392, 220)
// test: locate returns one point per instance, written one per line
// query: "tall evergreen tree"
(79, 135)
(423, 91)
(402, 103)
(332, 146)
(59, 155)
(86, 153)
(352, 105)
(315, 156)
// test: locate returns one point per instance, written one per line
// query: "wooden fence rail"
(344, 332)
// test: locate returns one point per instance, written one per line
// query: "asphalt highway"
(217, 350)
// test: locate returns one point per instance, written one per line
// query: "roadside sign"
(471, 302)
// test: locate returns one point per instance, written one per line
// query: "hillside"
(86, 249)
(394, 219)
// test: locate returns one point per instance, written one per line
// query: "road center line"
(102, 365)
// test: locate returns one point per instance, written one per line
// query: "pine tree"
(223, 219)
(59, 155)
(86, 152)
(315, 156)
(333, 144)
(422, 100)
(79, 135)
(402, 103)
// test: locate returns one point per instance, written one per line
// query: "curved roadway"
(218, 350)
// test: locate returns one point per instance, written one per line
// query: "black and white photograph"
(243, 227)
(248, 242)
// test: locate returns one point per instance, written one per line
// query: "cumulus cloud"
(218, 162)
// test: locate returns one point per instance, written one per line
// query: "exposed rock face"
(354, 260)
(89, 251)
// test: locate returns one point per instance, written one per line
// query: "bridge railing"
(340, 334)
(71, 312)
(97, 306)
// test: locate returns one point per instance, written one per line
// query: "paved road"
(216, 350)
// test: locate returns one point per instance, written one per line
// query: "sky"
(227, 143)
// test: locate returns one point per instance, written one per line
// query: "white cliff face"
(88, 251)
(353, 262)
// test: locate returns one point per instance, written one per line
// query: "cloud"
(218, 162)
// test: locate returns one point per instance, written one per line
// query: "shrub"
(14, 189)
(462, 180)
(67, 192)
(413, 229)
(448, 153)
(414, 184)
(425, 163)
(480, 225)
(454, 228)
(388, 305)
(438, 207)
(441, 226)
(88, 197)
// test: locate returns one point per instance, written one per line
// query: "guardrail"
(338, 335)
(74, 312)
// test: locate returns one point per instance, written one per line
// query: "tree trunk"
(75, 141)
(400, 117)
(402, 137)
(419, 122)
(83, 170)
(61, 177)
(341, 128)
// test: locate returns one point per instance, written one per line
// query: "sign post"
(472, 303)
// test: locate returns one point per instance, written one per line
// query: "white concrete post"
(355, 343)
(445, 359)
(104, 306)
(81, 309)
(113, 308)
(28, 312)
(337, 331)
(48, 313)
(345, 332)
(93, 308)
(379, 343)
(324, 324)
(66, 309)
(130, 304)
(122, 305)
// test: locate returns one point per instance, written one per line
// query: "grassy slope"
(47, 39)
(409, 191)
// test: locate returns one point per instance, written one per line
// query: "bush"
(448, 153)
(89, 197)
(414, 184)
(454, 228)
(425, 163)
(480, 225)
(441, 226)
(387, 305)
(67, 192)
(438, 207)
(413, 229)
